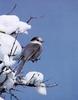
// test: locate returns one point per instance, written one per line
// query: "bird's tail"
(20, 67)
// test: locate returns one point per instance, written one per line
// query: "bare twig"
(52, 85)
(16, 90)
(30, 18)
(14, 51)
(34, 85)
(12, 95)
(13, 46)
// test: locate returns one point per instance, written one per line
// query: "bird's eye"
(38, 40)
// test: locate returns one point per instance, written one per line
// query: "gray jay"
(31, 52)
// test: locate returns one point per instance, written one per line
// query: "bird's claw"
(35, 60)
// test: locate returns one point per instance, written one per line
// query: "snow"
(2, 77)
(12, 23)
(42, 89)
(34, 76)
(1, 98)
(36, 79)
(6, 43)
(10, 80)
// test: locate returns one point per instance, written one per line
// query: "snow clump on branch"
(12, 23)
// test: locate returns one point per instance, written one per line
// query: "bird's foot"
(35, 60)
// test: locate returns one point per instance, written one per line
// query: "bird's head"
(38, 39)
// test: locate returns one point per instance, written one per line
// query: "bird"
(31, 52)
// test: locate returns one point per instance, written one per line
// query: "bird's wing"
(27, 54)
(29, 51)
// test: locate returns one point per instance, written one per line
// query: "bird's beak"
(42, 41)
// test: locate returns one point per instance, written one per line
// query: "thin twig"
(30, 18)
(33, 85)
(16, 90)
(12, 95)
(52, 85)
(14, 51)
(13, 46)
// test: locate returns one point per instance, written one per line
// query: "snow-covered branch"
(12, 54)
(11, 23)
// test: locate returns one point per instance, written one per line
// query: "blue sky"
(59, 29)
